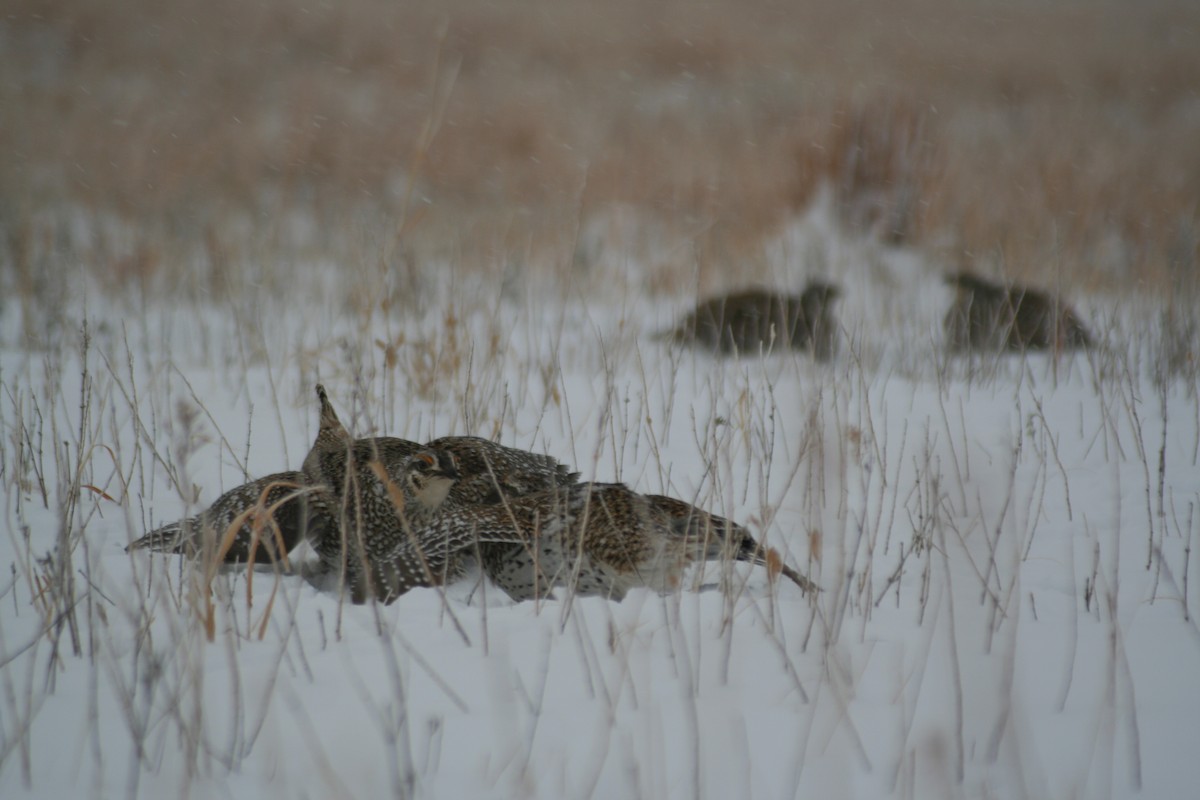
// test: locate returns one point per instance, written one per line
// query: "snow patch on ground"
(1004, 546)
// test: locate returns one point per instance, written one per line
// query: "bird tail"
(754, 552)
(178, 537)
(331, 429)
(724, 538)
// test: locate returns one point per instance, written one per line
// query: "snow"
(1009, 593)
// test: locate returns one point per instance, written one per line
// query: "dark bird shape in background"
(989, 316)
(760, 319)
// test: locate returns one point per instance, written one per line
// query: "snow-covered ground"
(1004, 545)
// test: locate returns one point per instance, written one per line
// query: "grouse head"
(430, 475)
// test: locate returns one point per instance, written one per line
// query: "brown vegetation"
(1060, 137)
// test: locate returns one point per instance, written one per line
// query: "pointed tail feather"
(261, 519)
(721, 535)
(754, 552)
(178, 537)
(774, 564)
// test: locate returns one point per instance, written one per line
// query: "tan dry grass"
(1054, 138)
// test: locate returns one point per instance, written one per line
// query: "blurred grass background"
(171, 143)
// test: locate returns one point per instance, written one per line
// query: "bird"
(591, 538)
(754, 319)
(262, 519)
(989, 316)
(371, 569)
(367, 479)
(324, 502)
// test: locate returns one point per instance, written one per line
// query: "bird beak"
(447, 467)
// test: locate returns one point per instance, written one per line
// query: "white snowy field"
(1004, 545)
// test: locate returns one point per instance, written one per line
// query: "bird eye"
(425, 461)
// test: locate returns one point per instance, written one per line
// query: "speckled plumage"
(279, 508)
(754, 319)
(372, 494)
(593, 538)
(988, 316)
(730, 539)
(326, 503)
